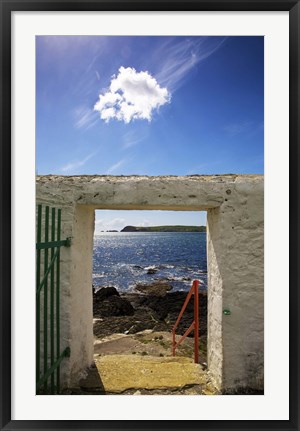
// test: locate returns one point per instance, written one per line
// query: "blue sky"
(149, 106)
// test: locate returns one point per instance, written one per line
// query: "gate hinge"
(68, 242)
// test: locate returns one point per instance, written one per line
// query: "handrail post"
(194, 326)
(173, 343)
(196, 317)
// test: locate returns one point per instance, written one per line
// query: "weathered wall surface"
(236, 284)
(81, 285)
(235, 260)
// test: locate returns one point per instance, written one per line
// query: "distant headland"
(176, 228)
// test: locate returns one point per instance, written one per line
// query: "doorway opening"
(144, 263)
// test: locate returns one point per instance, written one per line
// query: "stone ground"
(133, 345)
(142, 364)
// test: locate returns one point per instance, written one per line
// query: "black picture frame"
(6, 8)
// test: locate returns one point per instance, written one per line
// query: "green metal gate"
(48, 350)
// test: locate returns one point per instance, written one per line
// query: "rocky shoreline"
(152, 307)
(131, 330)
(136, 326)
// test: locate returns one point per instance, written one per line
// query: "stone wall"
(234, 204)
(236, 283)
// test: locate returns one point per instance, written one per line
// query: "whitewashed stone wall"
(234, 204)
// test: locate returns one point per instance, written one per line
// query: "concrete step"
(118, 373)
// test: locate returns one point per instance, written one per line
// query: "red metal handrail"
(195, 325)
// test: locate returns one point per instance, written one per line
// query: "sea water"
(124, 259)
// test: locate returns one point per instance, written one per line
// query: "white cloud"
(131, 95)
(114, 224)
(144, 223)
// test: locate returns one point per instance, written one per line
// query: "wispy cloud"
(178, 59)
(144, 223)
(92, 62)
(114, 224)
(206, 168)
(116, 166)
(235, 129)
(84, 118)
(246, 127)
(131, 139)
(76, 164)
(117, 223)
(132, 95)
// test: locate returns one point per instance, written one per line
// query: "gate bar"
(52, 299)
(45, 377)
(38, 299)
(45, 278)
(58, 301)
(54, 244)
(46, 297)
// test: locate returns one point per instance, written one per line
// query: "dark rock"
(113, 306)
(124, 324)
(105, 292)
(152, 271)
(158, 313)
(243, 391)
(157, 289)
(168, 307)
